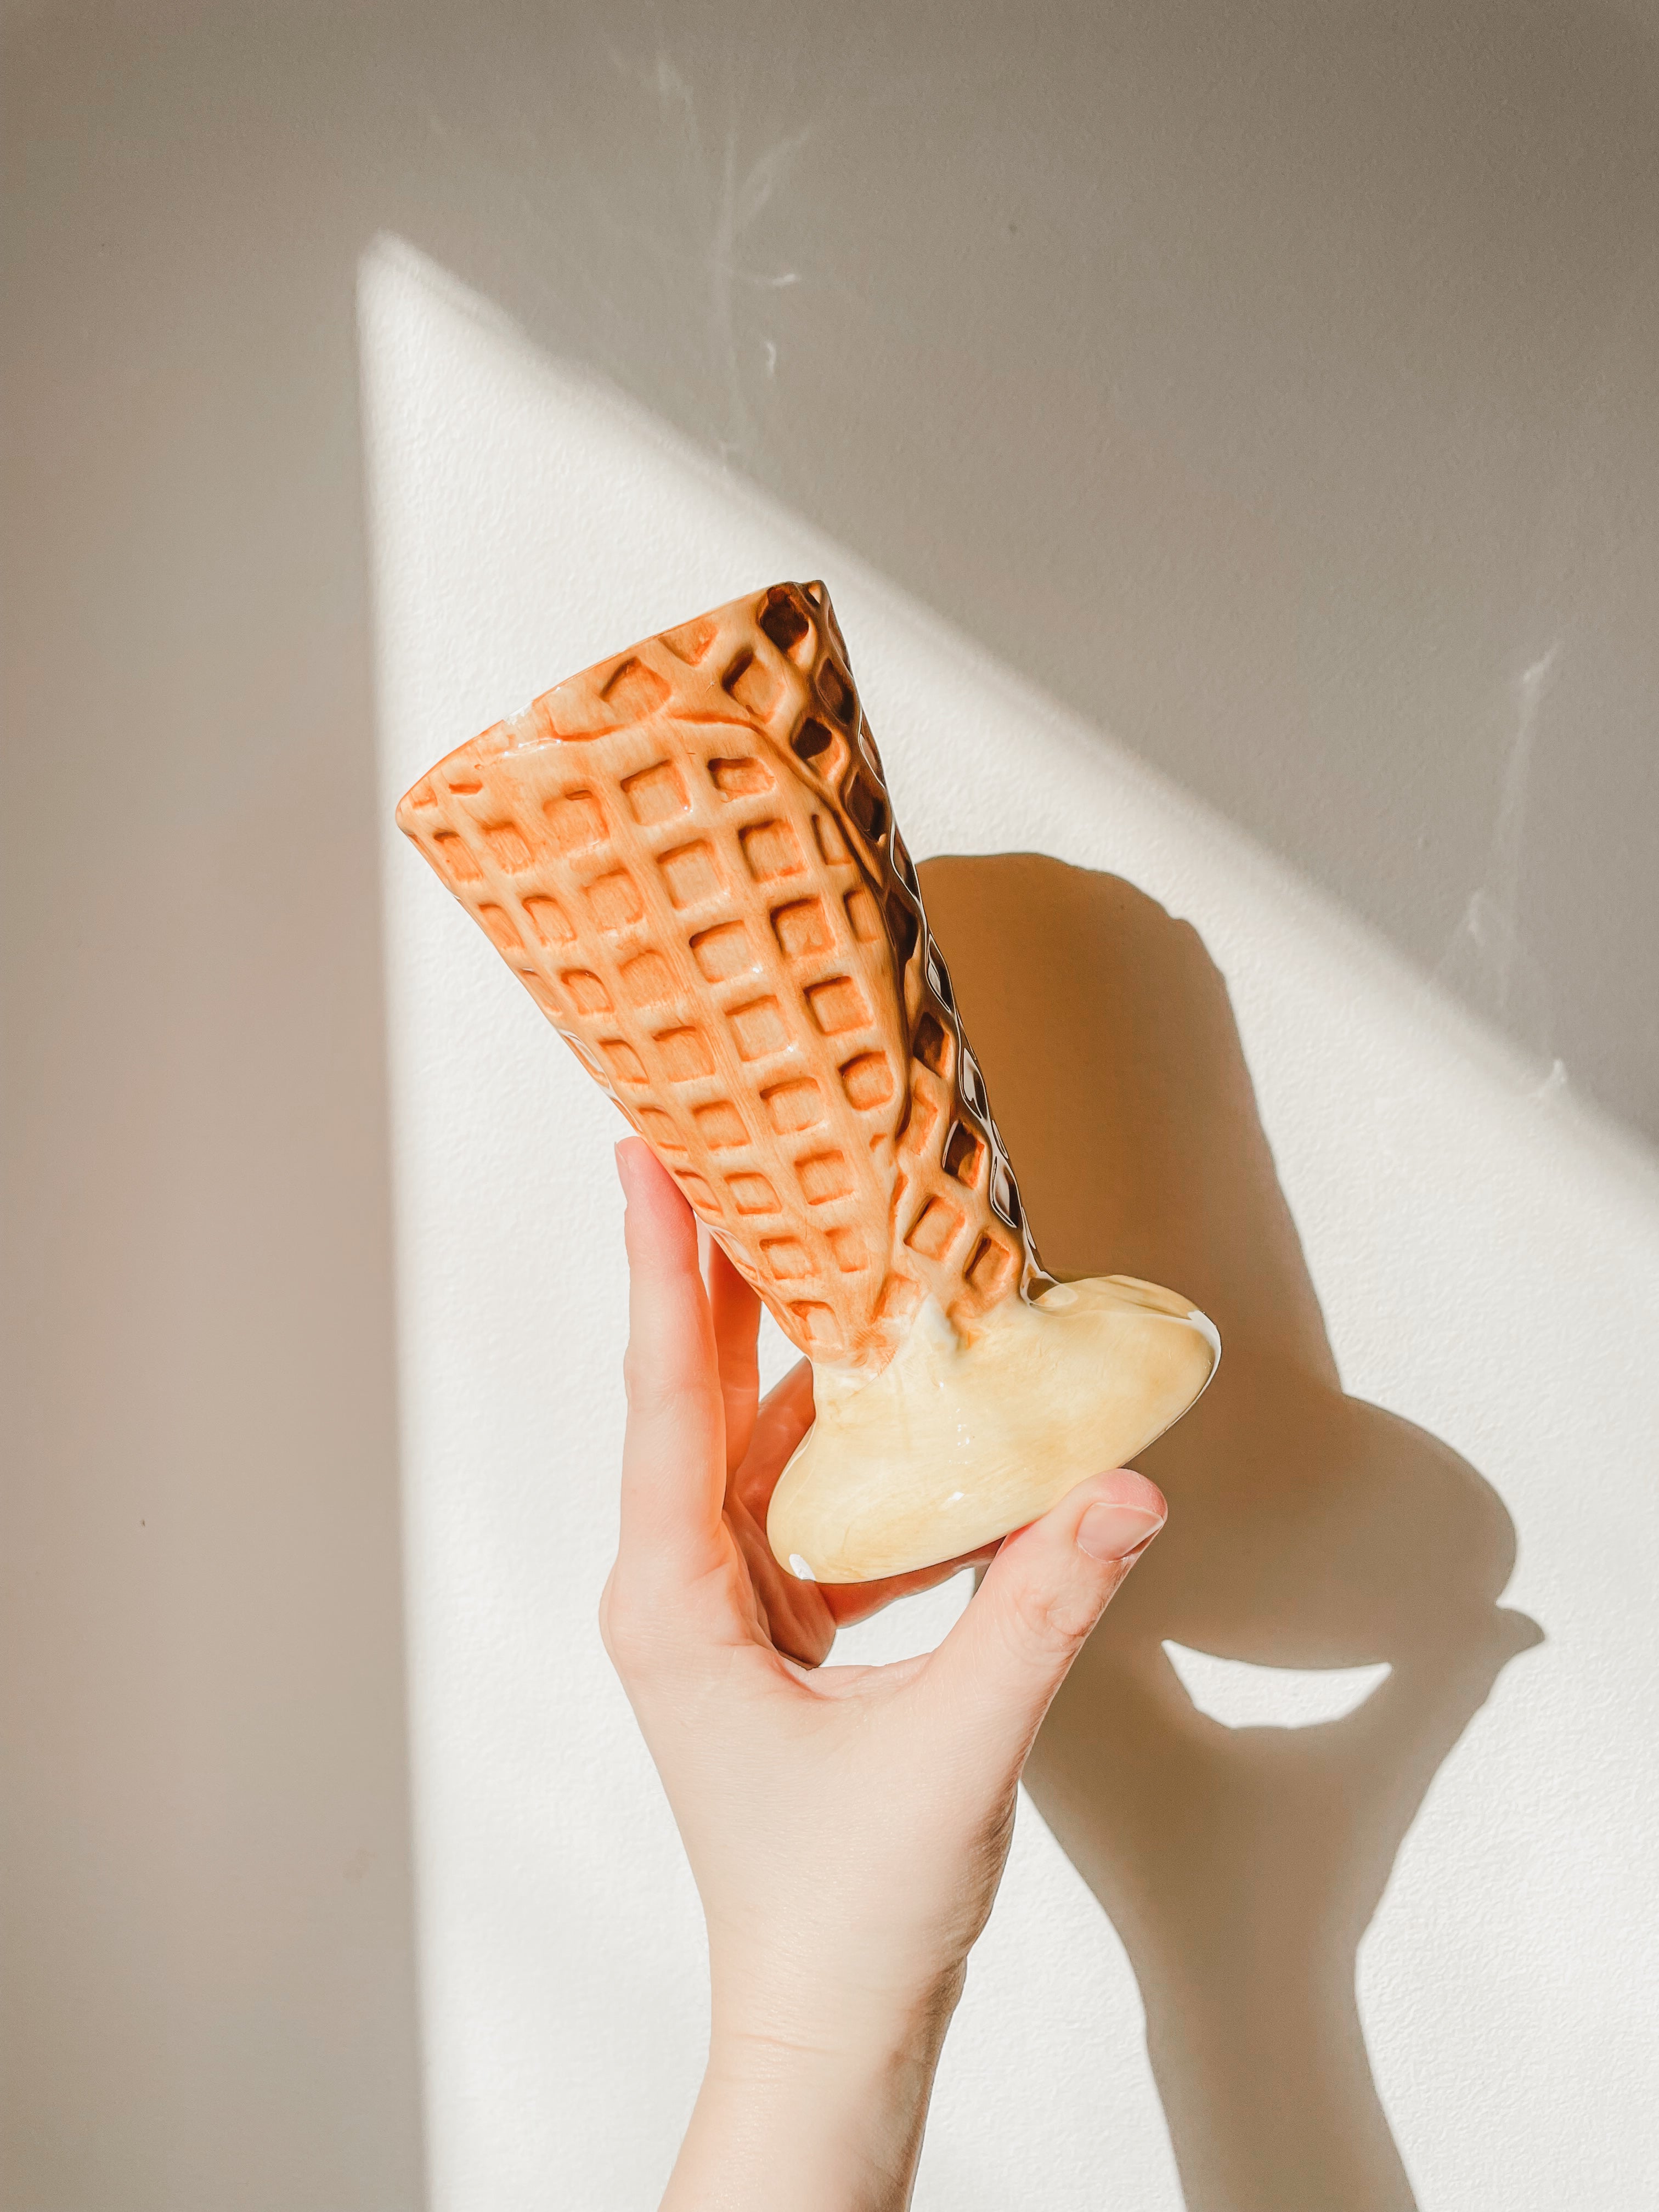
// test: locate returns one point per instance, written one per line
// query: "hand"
(847, 1825)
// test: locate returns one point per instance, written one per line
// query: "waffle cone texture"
(687, 856)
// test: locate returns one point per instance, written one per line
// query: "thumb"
(1042, 1594)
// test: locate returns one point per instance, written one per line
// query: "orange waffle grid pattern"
(687, 856)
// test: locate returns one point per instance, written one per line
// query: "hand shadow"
(1307, 1529)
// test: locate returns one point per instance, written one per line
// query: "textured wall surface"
(1488, 1264)
(1268, 385)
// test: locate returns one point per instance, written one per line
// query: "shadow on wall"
(1307, 1529)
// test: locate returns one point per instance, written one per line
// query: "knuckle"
(625, 1632)
(1052, 1622)
(636, 1377)
(649, 1385)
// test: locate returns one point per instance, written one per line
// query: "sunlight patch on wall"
(1240, 1694)
(1487, 1267)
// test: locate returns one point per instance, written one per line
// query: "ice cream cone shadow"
(1308, 1530)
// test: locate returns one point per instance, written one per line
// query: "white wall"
(1488, 1260)
(1270, 383)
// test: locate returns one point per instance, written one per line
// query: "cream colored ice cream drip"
(958, 1440)
(687, 856)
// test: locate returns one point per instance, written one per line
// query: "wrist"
(855, 2013)
(817, 2100)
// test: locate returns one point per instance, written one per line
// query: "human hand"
(847, 1827)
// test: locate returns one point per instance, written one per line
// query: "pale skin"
(847, 1827)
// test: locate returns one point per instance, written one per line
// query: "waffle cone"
(687, 856)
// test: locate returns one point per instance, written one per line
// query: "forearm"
(827, 2118)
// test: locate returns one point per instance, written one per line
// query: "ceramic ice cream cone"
(688, 855)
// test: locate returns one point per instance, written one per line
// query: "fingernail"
(1112, 1532)
(621, 1159)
